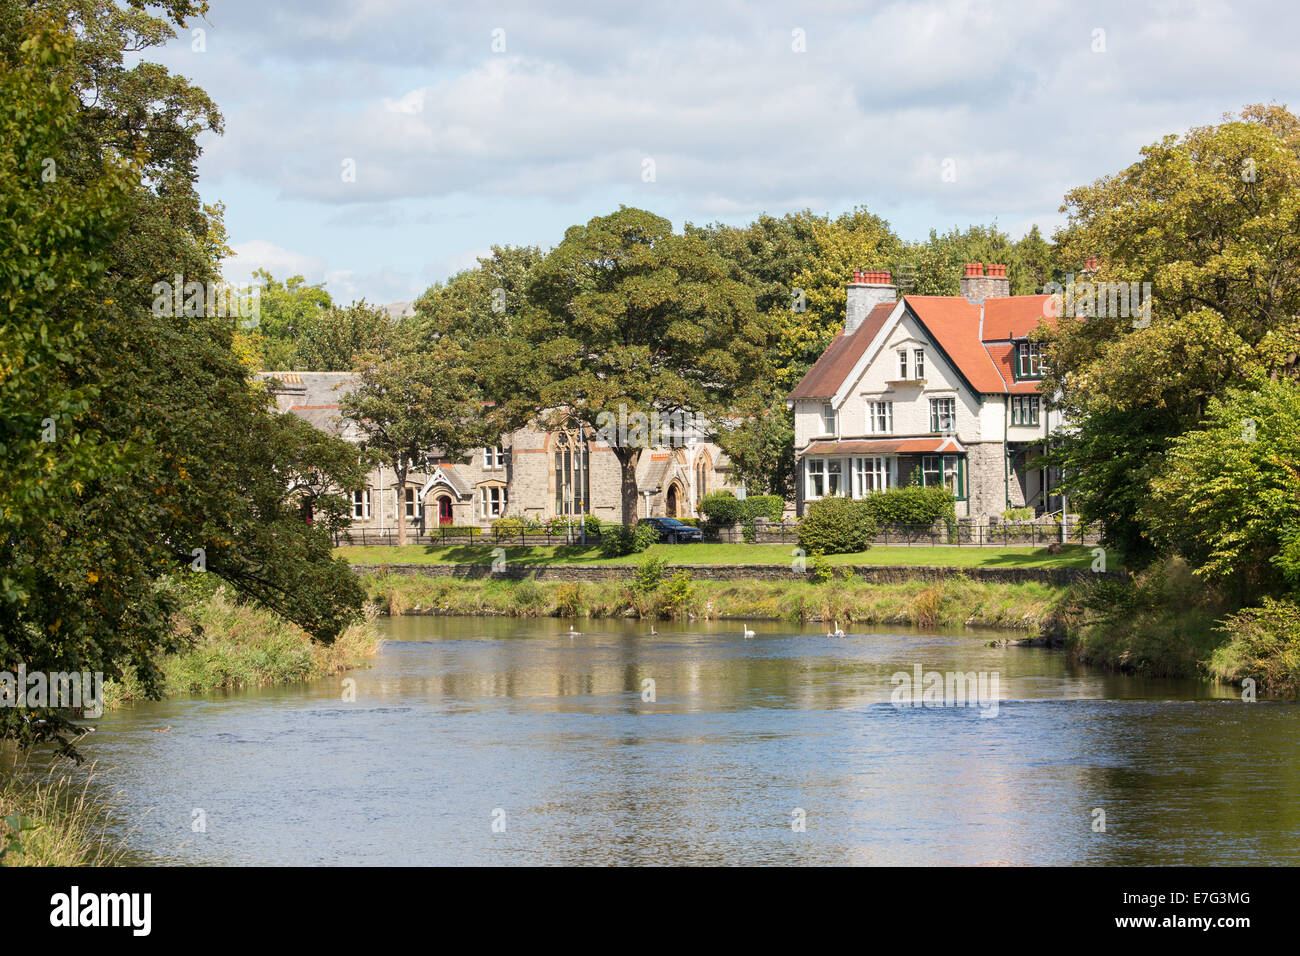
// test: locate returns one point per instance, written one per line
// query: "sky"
(380, 146)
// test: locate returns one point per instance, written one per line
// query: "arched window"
(702, 476)
(572, 474)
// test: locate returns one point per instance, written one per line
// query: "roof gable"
(837, 363)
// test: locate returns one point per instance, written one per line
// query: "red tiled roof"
(830, 371)
(886, 446)
(1004, 356)
(955, 325)
(1013, 317)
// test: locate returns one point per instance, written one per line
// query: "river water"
(507, 741)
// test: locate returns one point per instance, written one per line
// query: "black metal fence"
(960, 533)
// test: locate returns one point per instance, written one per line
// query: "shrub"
(771, 507)
(529, 594)
(722, 509)
(508, 527)
(568, 599)
(911, 504)
(618, 540)
(821, 568)
(1018, 514)
(649, 574)
(1265, 645)
(680, 593)
(837, 526)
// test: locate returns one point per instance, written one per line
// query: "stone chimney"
(865, 292)
(976, 286)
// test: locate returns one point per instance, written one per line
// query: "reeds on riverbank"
(246, 646)
(51, 820)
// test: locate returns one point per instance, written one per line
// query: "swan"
(837, 632)
(653, 632)
(747, 633)
(573, 633)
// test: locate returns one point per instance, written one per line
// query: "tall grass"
(68, 819)
(245, 646)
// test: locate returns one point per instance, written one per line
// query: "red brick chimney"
(864, 293)
(976, 286)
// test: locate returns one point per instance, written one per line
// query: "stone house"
(945, 389)
(534, 473)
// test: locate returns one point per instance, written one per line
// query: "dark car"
(672, 531)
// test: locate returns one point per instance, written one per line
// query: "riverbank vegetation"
(49, 820)
(1186, 442)
(1069, 556)
(233, 644)
(657, 591)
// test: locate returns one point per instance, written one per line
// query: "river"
(508, 741)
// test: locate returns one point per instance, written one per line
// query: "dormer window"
(828, 420)
(1029, 360)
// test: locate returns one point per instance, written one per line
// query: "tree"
(624, 316)
(1229, 497)
(416, 406)
(135, 448)
(290, 311)
(334, 339)
(761, 447)
(1211, 220)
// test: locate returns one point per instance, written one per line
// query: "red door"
(444, 510)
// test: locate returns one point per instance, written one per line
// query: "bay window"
(870, 474)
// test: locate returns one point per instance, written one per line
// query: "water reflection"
(462, 717)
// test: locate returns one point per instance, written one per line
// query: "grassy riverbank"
(1029, 606)
(51, 821)
(1071, 556)
(246, 646)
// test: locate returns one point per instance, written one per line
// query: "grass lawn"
(1074, 556)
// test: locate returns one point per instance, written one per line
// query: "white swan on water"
(573, 633)
(747, 633)
(837, 632)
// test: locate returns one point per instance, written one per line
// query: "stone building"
(533, 473)
(943, 388)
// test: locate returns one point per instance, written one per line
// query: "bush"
(771, 507)
(912, 505)
(649, 574)
(837, 526)
(560, 524)
(508, 527)
(680, 594)
(1018, 514)
(821, 568)
(618, 540)
(1264, 645)
(568, 599)
(722, 509)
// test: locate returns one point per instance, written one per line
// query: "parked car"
(672, 531)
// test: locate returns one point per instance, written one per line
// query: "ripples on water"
(458, 718)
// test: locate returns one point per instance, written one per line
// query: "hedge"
(837, 526)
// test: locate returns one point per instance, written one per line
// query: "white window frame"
(874, 410)
(902, 364)
(361, 503)
(412, 504)
(870, 474)
(831, 422)
(918, 363)
(492, 501)
(814, 478)
(494, 457)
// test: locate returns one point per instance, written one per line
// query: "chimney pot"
(1091, 264)
(974, 269)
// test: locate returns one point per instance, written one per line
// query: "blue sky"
(499, 122)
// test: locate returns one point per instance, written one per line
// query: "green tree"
(626, 315)
(135, 447)
(1211, 219)
(334, 339)
(1229, 496)
(416, 406)
(290, 313)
